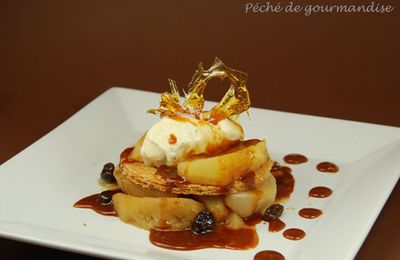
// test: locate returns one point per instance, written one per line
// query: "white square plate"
(42, 182)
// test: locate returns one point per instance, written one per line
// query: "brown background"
(56, 56)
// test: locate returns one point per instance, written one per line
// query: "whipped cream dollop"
(174, 139)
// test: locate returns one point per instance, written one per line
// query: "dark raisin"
(273, 212)
(203, 223)
(105, 198)
(107, 174)
(109, 167)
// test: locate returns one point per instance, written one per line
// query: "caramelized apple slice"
(147, 213)
(253, 201)
(223, 169)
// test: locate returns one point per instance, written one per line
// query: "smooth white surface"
(40, 184)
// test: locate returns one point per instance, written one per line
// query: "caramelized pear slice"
(147, 213)
(233, 221)
(216, 205)
(223, 169)
(247, 203)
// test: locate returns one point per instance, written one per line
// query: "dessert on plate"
(192, 178)
(194, 163)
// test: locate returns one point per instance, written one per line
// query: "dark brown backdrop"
(56, 56)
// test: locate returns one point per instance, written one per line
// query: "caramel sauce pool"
(310, 213)
(276, 225)
(91, 202)
(243, 238)
(294, 234)
(320, 192)
(327, 167)
(269, 255)
(295, 158)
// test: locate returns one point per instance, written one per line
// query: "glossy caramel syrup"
(243, 238)
(310, 213)
(171, 176)
(284, 181)
(320, 192)
(269, 255)
(327, 167)
(253, 219)
(295, 158)
(91, 202)
(294, 234)
(276, 225)
(124, 157)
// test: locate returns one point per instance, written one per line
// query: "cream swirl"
(174, 139)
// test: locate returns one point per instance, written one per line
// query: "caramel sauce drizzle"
(276, 225)
(294, 234)
(327, 167)
(310, 213)
(320, 192)
(284, 181)
(269, 255)
(295, 158)
(91, 202)
(243, 238)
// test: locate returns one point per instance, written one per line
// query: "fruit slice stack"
(232, 185)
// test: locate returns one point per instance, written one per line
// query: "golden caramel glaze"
(235, 101)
